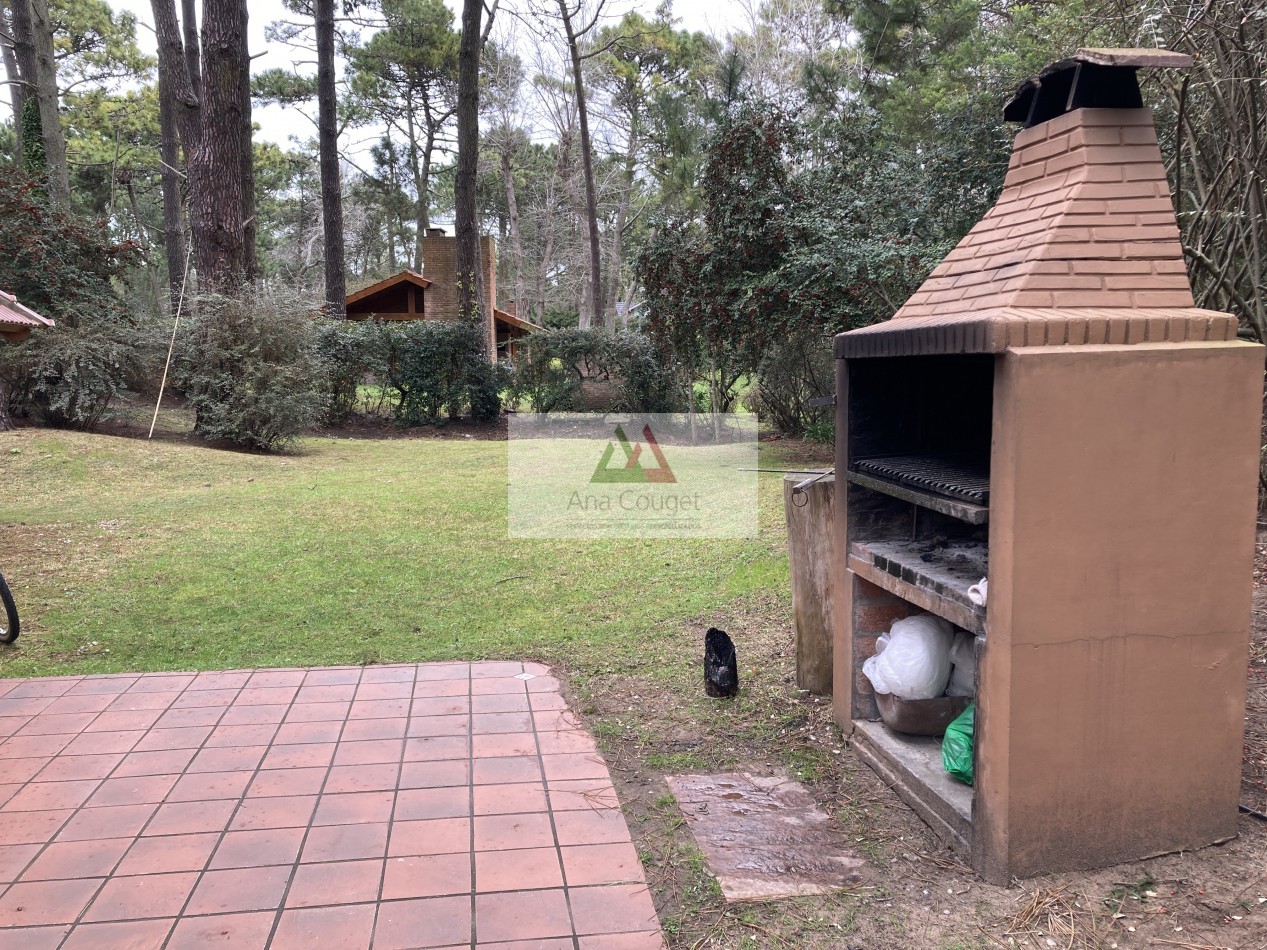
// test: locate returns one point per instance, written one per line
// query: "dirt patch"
(653, 719)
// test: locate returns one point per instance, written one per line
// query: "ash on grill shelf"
(947, 567)
(948, 477)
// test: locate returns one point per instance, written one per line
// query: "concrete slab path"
(384, 807)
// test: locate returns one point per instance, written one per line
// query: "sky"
(281, 125)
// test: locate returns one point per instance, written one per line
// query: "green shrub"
(67, 377)
(356, 353)
(252, 371)
(436, 370)
(552, 365)
(645, 381)
(440, 371)
(66, 268)
(788, 377)
(484, 389)
(555, 363)
(821, 430)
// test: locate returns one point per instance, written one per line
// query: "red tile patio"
(439, 805)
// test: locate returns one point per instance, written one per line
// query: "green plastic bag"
(956, 747)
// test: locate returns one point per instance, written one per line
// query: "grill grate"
(948, 477)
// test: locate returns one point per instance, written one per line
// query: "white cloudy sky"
(276, 124)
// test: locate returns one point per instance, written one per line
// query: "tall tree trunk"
(422, 212)
(587, 162)
(547, 251)
(193, 58)
(469, 268)
(23, 46)
(396, 229)
(574, 191)
(6, 422)
(178, 87)
(17, 92)
(215, 171)
(428, 150)
(179, 124)
(402, 235)
(169, 154)
(31, 143)
(250, 226)
(46, 93)
(516, 245)
(618, 232)
(328, 144)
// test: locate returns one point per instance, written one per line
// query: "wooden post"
(811, 556)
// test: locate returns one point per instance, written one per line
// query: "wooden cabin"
(433, 295)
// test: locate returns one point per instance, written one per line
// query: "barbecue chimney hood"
(1051, 412)
(1082, 246)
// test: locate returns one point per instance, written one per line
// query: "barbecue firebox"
(1051, 411)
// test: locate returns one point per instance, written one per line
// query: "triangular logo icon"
(630, 469)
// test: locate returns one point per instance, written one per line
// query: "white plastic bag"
(913, 659)
(963, 674)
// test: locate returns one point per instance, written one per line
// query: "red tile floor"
(439, 805)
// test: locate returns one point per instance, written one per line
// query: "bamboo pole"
(180, 303)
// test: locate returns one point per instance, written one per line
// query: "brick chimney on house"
(439, 265)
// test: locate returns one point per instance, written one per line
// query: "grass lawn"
(132, 555)
(129, 555)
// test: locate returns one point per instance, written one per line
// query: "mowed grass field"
(133, 555)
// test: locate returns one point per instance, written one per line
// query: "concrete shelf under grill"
(939, 585)
(912, 766)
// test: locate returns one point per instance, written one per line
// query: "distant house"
(17, 321)
(627, 313)
(433, 294)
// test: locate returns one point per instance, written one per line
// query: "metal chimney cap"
(1092, 78)
(1133, 56)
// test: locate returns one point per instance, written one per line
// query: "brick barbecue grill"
(1051, 411)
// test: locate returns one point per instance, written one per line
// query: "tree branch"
(488, 27)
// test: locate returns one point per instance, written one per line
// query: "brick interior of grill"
(924, 422)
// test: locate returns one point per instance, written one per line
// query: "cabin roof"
(517, 323)
(404, 277)
(18, 319)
